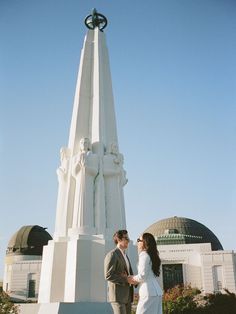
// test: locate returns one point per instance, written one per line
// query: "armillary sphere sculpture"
(95, 20)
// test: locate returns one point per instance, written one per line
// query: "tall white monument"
(90, 204)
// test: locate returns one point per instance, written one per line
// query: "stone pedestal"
(73, 270)
(84, 277)
(52, 279)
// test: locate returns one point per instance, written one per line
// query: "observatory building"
(23, 262)
(192, 254)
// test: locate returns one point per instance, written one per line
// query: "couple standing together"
(121, 280)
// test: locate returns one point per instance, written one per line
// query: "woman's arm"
(143, 267)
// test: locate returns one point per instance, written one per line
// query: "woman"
(150, 293)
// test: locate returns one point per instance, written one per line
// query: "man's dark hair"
(119, 235)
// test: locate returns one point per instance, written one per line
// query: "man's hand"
(131, 281)
(124, 275)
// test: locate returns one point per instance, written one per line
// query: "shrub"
(219, 303)
(187, 300)
(179, 300)
(6, 306)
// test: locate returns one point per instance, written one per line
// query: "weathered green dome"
(28, 240)
(180, 230)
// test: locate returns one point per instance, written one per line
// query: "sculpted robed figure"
(84, 170)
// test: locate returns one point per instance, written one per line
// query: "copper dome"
(180, 230)
(28, 240)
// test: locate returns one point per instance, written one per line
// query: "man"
(117, 268)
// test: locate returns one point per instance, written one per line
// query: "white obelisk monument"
(90, 204)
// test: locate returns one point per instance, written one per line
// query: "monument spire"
(93, 113)
(83, 207)
(90, 204)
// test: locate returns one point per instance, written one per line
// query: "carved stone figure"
(84, 170)
(115, 179)
(62, 175)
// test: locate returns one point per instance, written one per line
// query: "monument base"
(72, 270)
(67, 308)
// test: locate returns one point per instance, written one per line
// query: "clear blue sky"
(174, 79)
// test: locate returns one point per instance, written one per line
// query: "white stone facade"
(210, 271)
(22, 276)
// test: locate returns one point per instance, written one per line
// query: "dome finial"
(95, 20)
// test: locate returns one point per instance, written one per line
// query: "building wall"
(189, 255)
(208, 270)
(211, 260)
(193, 276)
(18, 274)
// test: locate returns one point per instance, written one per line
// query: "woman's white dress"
(150, 292)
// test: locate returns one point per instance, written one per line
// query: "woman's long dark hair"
(149, 244)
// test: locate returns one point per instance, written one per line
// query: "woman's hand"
(131, 281)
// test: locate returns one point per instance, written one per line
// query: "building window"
(172, 275)
(217, 278)
(31, 285)
(31, 293)
(219, 285)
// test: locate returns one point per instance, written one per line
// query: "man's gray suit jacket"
(118, 288)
